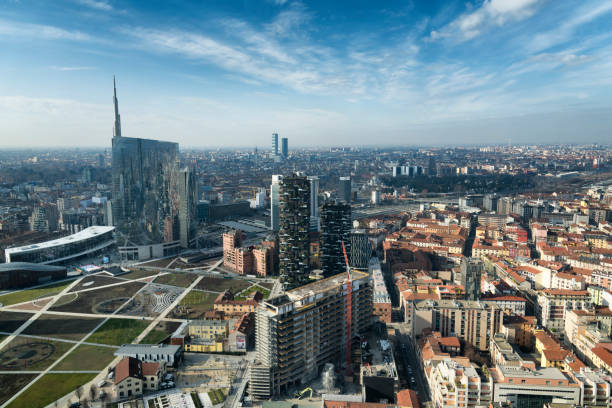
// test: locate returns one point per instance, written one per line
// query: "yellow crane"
(300, 395)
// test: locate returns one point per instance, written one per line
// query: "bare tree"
(79, 392)
(92, 392)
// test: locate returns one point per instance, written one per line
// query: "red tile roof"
(408, 398)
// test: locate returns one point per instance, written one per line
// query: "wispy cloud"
(39, 31)
(587, 13)
(289, 21)
(56, 68)
(491, 13)
(103, 5)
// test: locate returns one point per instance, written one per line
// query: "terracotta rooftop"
(408, 398)
(603, 353)
(128, 367)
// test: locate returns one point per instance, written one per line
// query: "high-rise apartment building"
(145, 180)
(44, 218)
(361, 249)
(275, 143)
(344, 189)
(315, 219)
(335, 229)
(285, 147)
(471, 272)
(188, 199)
(294, 231)
(298, 332)
(275, 201)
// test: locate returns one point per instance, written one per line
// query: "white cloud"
(289, 21)
(39, 31)
(564, 32)
(103, 5)
(56, 68)
(490, 13)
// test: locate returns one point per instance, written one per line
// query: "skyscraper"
(117, 126)
(275, 143)
(188, 199)
(285, 147)
(315, 220)
(145, 194)
(344, 189)
(361, 249)
(335, 229)
(294, 236)
(275, 201)
(471, 272)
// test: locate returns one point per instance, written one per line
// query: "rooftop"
(83, 235)
(127, 349)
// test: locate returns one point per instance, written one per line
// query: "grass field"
(267, 285)
(182, 280)
(86, 357)
(63, 327)
(93, 281)
(11, 383)
(194, 304)
(31, 294)
(221, 284)
(49, 388)
(160, 332)
(217, 396)
(60, 348)
(118, 331)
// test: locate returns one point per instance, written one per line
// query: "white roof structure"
(82, 235)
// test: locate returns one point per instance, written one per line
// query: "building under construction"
(302, 329)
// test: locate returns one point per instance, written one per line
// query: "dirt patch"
(182, 280)
(94, 281)
(222, 284)
(11, 383)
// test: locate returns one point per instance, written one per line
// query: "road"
(409, 357)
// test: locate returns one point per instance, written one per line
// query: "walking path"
(31, 336)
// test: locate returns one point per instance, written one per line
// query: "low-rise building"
(168, 353)
(134, 377)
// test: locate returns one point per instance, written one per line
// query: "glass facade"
(145, 178)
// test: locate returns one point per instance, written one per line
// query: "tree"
(79, 392)
(92, 392)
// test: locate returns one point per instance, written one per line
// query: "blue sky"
(229, 73)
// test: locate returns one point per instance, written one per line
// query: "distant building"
(315, 219)
(275, 144)
(285, 147)
(294, 239)
(344, 189)
(44, 218)
(335, 229)
(376, 197)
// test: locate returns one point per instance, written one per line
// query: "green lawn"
(245, 293)
(194, 304)
(86, 357)
(31, 294)
(154, 337)
(217, 396)
(118, 331)
(49, 388)
(137, 274)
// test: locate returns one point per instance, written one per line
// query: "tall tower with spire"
(117, 127)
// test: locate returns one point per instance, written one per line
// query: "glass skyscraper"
(145, 178)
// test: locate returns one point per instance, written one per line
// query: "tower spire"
(117, 127)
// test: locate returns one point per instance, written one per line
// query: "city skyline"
(228, 75)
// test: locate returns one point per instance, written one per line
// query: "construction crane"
(300, 395)
(349, 314)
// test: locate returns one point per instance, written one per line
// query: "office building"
(145, 182)
(188, 198)
(294, 227)
(376, 197)
(315, 219)
(471, 272)
(298, 332)
(285, 147)
(360, 249)
(275, 144)
(335, 229)
(344, 189)
(275, 201)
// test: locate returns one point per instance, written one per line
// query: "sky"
(228, 73)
